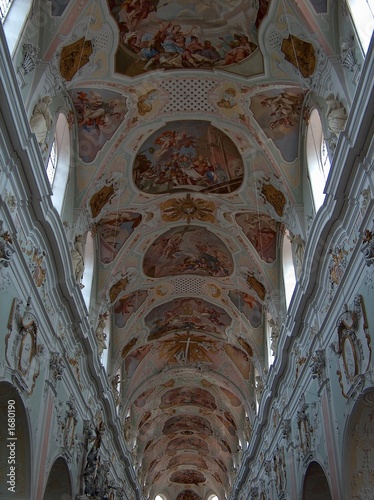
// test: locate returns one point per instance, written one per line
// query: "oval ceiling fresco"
(198, 34)
(186, 314)
(188, 250)
(188, 423)
(189, 156)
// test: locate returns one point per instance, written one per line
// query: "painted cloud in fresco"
(188, 250)
(99, 113)
(189, 156)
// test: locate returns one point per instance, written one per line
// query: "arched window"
(59, 162)
(362, 12)
(317, 158)
(13, 16)
(289, 275)
(52, 163)
(105, 355)
(89, 264)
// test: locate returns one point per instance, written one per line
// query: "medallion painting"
(99, 114)
(187, 444)
(188, 250)
(188, 459)
(188, 396)
(114, 230)
(248, 305)
(188, 34)
(278, 113)
(188, 425)
(127, 305)
(187, 477)
(188, 156)
(186, 314)
(261, 230)
(185, 348)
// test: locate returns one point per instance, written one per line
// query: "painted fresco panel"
(127, 305)
(278, 113)
(99, 114)
(188, 424)
(261, 230)
(248, 305)
(180, 34)
(114, 230)
(188, 250)
(185, 314)
(188, 396)
(190, 156)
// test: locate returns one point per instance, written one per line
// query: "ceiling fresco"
(188, 250)
(98, 113)
(189, 155)
(188, 34)
(188, 115)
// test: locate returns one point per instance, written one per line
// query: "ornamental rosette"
(187, 208)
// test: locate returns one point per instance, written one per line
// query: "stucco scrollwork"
(22, 350)
(318, 365)
(353, 345)
(6, 247)
(367, 248)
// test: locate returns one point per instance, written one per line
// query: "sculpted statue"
(274, 336)
(299, 248)
(77, 255)
(336, 114)
(41, 119)
(100, 335)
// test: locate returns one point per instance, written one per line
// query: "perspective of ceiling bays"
(186, 175)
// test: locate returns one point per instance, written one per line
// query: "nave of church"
(186, 250)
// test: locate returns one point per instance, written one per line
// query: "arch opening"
(316, 486)
(59, 483)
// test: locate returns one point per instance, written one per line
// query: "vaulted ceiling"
(188, 169)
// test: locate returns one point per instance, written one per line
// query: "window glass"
(58, 173)
(52, 163)
(317, 158)
(362, 12)
(89, 261)
(13, 17)
(289, 276)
